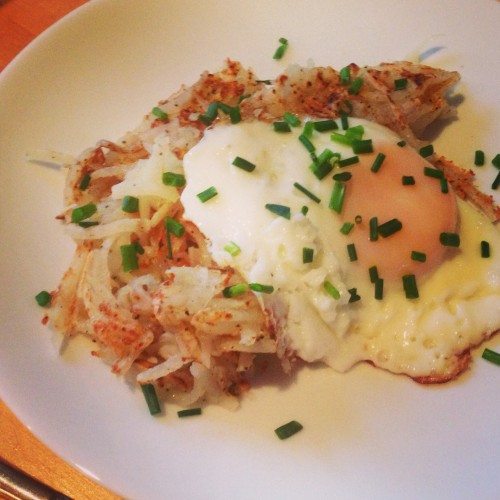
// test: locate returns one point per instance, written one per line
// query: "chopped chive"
(348, 161)
(283, 41)
(377, 163)
(426, 151)
(345, 75)
(159, 113)
(170, 254)
(346, 227)
(389, 228)
(418, 256)
(358, 219)
(83, 212)
(433, 172)
(337, 197)
(308, 129)
(444, 185)
(84, 183)
(400, 83)
(496, 161)
(233, 112)
(342, 176)
(344, 120)
(308, 193)
(408, 180)
(243, 164)
(232, 248)
(331, 290)
(291, 119)
(304, 210)
(321, 170)
(258, 287)
(353, 136)
(496, 182)
(280, 51)
(325, 125)
(265, 82)
(43, 298)
(138, 247)
(130, 262)
(355, 132)
(280, 210)
(341, 139)
(151, 398)
(401, 143)
(379, 289)
(373, 226)
(449, 239)
(307, 255)
(491, 356)
(208, 194)
(373, 273)
(485, 249)
(351, 251)
(410, 286)
(287, 430)
(322, 165)
(281, 127)
(354, 297)
(130, 204)
(225, 108)
(212, 111)
(173, 179)
(210, 114)
(189, 412)
(173, 226)
(205, 119)
(88, 223)
(235, 290)
(479, 158)
(356, 85)
(307, 143)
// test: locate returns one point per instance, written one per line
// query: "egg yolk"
(422, 208)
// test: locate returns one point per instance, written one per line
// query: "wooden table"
(20, 22)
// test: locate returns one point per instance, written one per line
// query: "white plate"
(366, 434)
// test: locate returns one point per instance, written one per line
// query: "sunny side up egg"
(337, 266)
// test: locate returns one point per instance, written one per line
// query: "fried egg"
(381, 263)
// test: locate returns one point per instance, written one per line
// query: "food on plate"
(300, 218)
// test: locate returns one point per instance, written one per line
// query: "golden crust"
(462, 182)
(460, 363)
(319, 92)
